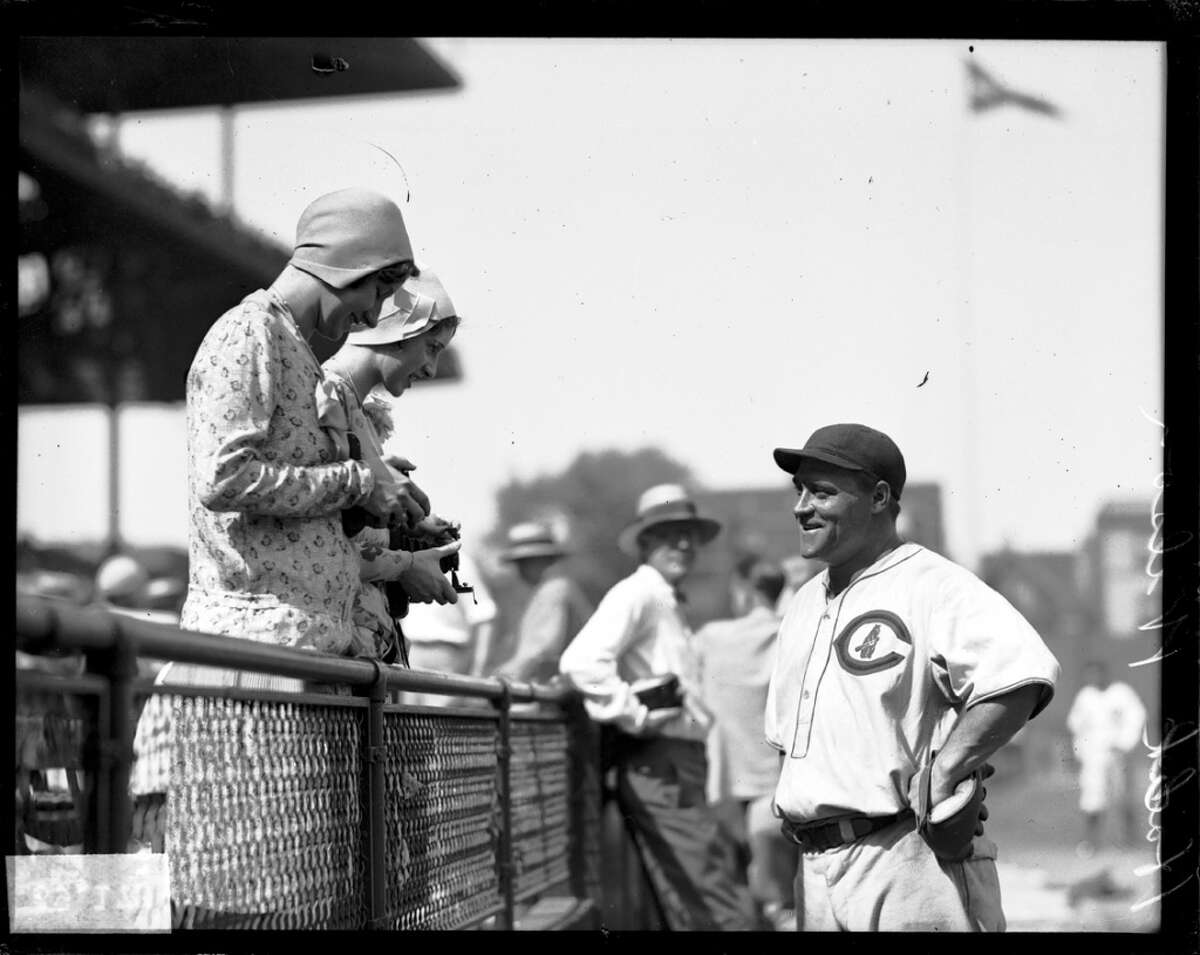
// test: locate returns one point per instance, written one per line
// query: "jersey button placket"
(812, 675)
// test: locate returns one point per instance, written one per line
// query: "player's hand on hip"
(941, 786)
(983, 814)
(986, 772)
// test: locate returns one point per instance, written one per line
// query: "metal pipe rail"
(44, 625)
(111, 644)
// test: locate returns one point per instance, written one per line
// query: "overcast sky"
(716, 247)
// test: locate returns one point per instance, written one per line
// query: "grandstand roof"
(114, 74)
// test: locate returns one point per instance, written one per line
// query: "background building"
(1089, 604)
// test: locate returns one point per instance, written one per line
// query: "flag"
(988, 93)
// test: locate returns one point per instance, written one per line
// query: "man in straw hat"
(898, 675)
(638, 636)
(556, 610)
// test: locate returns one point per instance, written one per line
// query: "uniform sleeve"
(590, 661)
(982, 648)
(231, 398)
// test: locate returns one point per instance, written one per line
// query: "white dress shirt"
(638, 631)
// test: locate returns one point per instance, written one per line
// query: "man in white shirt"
(1106, 721)
(898, 675)
(638, 634)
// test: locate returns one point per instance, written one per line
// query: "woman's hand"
(424, 581)
(434, 527)
(399, 498)
(402, 468)
(414, 503)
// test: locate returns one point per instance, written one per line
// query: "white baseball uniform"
(1105, 725)
(867, 684)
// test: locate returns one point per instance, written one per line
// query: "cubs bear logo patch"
(873, 641)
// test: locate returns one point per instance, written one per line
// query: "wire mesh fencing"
(307, 811)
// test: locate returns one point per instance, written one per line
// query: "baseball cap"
(854, 447)
(346, 235)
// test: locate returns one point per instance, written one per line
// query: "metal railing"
(411, 816)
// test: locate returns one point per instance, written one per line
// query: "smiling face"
(670, 549)
(834, 507)
(414, 359)
(357, 305)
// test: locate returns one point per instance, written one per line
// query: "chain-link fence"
(303, 810)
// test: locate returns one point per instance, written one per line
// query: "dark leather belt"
(819, 836)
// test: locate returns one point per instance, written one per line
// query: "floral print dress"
(341, 409)
(266, 486)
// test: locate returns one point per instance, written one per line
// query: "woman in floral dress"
(268, 560)
(415, 326)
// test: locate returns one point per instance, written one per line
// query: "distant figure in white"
(1106, 722)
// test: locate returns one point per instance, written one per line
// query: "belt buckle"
(794, 833)
(809, 838)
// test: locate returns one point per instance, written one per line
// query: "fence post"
(583, 742)
(121, 731)
(376, 785)
(97, 788)
(108, 753)
(504, 784)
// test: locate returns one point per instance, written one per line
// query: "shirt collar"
(272, 301)
(659, 583)
(883, 562)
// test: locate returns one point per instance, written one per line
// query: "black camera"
(659, 692)
(427, 535)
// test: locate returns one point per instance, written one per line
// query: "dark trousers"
(688, 855)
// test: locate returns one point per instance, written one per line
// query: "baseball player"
(899, 674)
(1106, 721)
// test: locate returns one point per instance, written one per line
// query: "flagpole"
(965, 252)
(984, 92)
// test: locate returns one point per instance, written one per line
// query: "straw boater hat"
(666, 504)
(409, 311)
(531, 540)
(121, 577)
